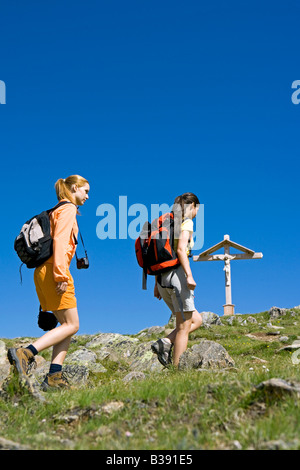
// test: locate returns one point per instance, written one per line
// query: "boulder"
(87, 358)
(206, 355)
(117, 348)
(81, 356)
(252, 319)
(277, 388)
(210, 318)
(6, 444)
(276, 312)
(109, 339)
(4, 363)
(152, 330)
(142, 359)
(77, 374)
(134, 376)
(291, 347)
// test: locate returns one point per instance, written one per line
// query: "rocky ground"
(131, 359)
(135, 353)
(132, 351)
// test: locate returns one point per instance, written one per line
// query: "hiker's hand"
(190, 282)
(156, 292)
(61, 287)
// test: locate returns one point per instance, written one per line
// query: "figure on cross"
(227, 257)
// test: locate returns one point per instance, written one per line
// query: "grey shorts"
(169, 294)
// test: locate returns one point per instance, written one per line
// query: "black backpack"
(34, 244)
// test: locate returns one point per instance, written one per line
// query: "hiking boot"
(22, 359)
(163, 350)
(57, 380)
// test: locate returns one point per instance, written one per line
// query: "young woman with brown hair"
(54, 284)
(185, 209)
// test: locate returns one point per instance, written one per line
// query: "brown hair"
(179, 208)
(63, 187)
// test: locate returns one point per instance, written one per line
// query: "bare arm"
(183, 258)
(156, 291)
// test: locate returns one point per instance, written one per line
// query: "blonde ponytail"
(63, 187)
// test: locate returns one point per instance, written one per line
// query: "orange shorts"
(45, 288)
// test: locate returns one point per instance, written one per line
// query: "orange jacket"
(63, 228)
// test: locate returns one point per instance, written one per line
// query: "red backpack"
(154, 247)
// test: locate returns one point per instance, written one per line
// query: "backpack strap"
(144, 283)
(61, 203)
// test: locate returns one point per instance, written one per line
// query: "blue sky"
(149, 100)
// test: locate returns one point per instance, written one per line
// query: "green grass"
(173, 409)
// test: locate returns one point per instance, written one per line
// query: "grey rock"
(135, 375)
(275, 327)
(27, 385)
(251, 319)
(276, 312)
(81, 356)
(77, 413)
(143, 359)
(210, 318)
(153, 330)
(107, 353)
(237, 445)
(4, 363)
(229, 320)
(206, 354)
(6, 444)
(136, 354)
(109, 339)
(77, 375)
(98, 368)
(112, 407)
(3, 352)
(280, 444)
(290, 347)
(277, 387)
(284, 339)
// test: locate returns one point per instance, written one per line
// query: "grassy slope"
(174, 409)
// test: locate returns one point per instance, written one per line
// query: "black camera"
(46, 320)
(82, 263)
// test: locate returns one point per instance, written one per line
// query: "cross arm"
(232, 256)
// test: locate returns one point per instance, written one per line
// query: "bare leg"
(182, 335)
(60, 351)
(60, 337)
(196, 323)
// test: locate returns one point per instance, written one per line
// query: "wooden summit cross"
(227, 257)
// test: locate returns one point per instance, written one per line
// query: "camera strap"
(76, 243)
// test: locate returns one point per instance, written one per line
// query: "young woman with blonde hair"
(54, 284)
(180, 297)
